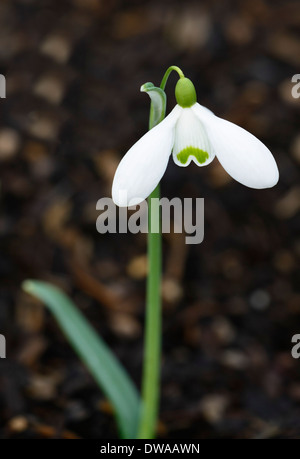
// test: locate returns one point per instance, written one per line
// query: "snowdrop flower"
(192, 133)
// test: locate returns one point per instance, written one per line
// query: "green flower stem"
(167, 74)
(152, 353)
(152, 345)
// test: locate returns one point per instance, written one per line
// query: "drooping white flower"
(193, 133)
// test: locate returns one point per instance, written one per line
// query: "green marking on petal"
(200, 155)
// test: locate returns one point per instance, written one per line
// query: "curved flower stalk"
(192, 133)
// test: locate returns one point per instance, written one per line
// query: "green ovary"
(200, 155)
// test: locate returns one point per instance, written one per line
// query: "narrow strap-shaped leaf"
(103, 365)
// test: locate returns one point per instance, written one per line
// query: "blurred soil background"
(231, 304)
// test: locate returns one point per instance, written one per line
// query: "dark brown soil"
(231, 304)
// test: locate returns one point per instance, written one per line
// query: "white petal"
(141, 169)
(241, 154)
(191, 141)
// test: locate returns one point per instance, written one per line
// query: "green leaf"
(103, 365)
